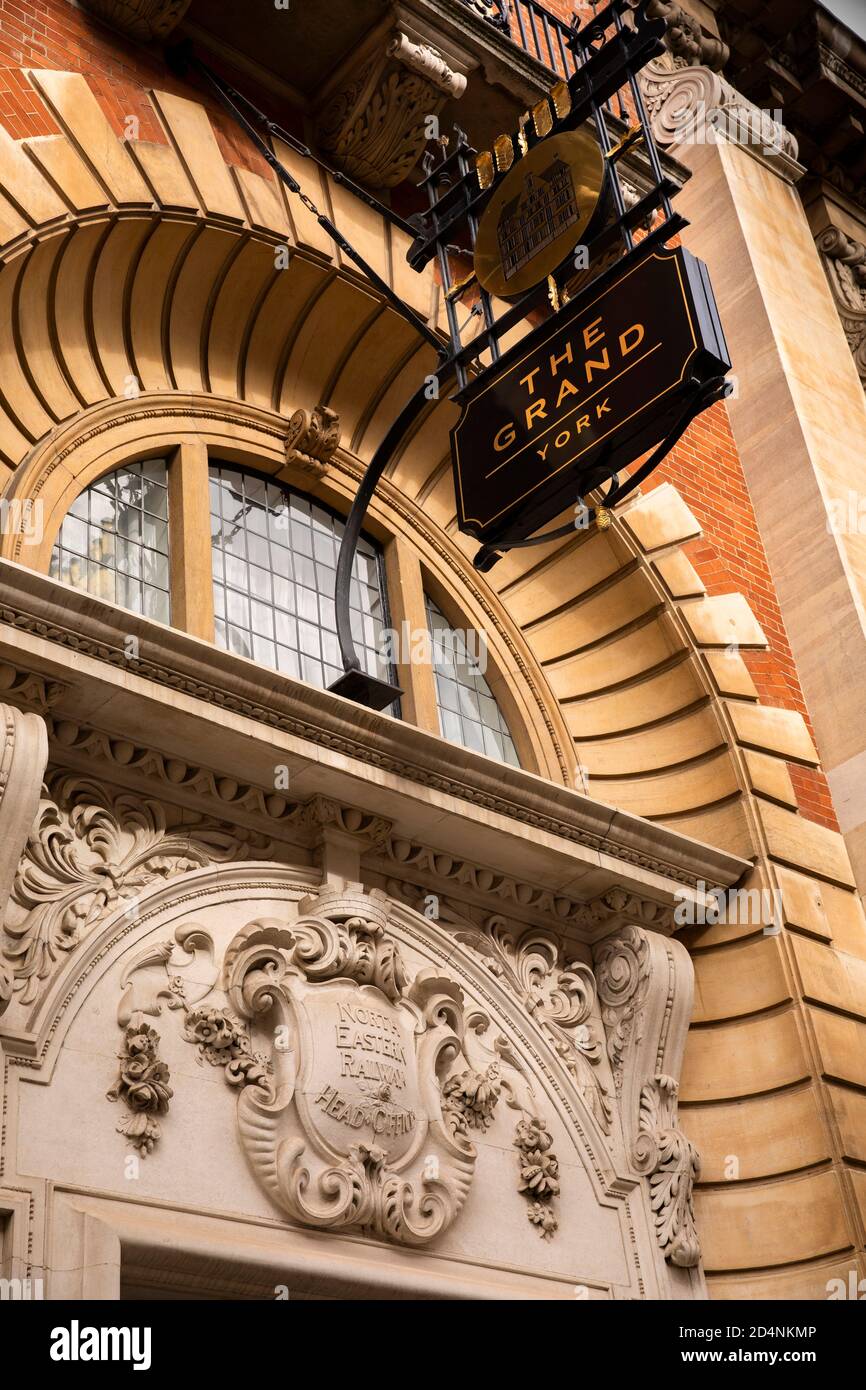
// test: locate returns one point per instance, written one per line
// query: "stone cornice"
(61, 628)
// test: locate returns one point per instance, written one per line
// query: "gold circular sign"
(539, 212)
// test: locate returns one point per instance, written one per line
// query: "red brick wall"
(704, 467)
(55, 34)
(706, 470)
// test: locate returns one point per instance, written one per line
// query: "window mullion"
(192, 605)
(405, 587)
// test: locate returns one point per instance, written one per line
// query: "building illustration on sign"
(545, 208)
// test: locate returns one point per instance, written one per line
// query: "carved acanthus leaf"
(373, 120)
(312, 440)
(90, 850)
(672, 1164)
(560, 997)
(645, 988)
(622, 970)
(844, 262)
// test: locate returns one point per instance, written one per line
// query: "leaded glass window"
(114, 540)
(469, 713)
(274, 567)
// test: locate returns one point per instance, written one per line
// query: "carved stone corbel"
(312, 440)
(844, 262)
(373, 121)
(687, 42)
(645, 985)
(23, 757)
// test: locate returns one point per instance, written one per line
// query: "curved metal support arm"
(356, 684)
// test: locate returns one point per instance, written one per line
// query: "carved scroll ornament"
(645, 989)
(89, 851)
(356, 1127)
(844, 262)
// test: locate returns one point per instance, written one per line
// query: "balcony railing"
(541, 34)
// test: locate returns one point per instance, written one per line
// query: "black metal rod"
(229, 99)
(349, 544)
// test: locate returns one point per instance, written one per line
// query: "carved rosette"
(142, 1085)
(645, 987)
(844, 262)
(373, 121)
(356, 1128)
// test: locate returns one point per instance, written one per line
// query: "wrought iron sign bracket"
(519, 456)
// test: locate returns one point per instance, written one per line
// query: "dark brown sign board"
(583, 395)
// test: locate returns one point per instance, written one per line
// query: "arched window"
(274, 566)
(114, 540)
(468, 711)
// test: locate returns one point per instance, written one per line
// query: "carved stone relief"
(688, 44)
(140, 19)
(645, 987)
(693, 104)
(360, 1089)
(312, 440)
(23, 755)
(844, 262)
(372, 122)
(142, 1085)
(559, 996)
(90, 850)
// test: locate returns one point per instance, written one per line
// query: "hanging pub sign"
(583, 395)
